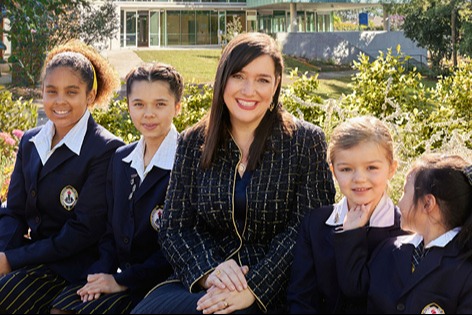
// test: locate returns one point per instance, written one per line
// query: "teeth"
(244, 103)
(61, 112)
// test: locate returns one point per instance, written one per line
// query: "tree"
(441, 26)
(38, 25)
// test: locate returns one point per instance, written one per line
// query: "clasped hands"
(97, 284)
(227, 289)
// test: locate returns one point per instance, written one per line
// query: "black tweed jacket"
(198, 224)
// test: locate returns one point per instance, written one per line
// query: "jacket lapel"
(428, 264)
(150, 181)
(61, 155)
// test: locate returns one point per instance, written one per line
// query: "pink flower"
(7, 138)
(4, 135)
(18, 133)
(10, 141)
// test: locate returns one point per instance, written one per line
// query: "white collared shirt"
(163, 158)
(441, 241)
(383, 215)
(73, 139)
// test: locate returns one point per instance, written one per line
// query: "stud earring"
(272, 106)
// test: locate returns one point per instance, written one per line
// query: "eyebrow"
(156, 99)
(367, 162)
(67, 87)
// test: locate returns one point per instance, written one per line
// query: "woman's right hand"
(227, 275)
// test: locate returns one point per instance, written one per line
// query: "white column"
(293, 18)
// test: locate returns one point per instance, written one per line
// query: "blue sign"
(363, 19)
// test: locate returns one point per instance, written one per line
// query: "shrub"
(8, 149)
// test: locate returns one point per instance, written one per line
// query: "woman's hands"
(227, 289)
(97, 284)
(224, 301)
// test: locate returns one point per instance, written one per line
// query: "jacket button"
(33, 193)
(37, 220)
(125, 240)
(400, 307)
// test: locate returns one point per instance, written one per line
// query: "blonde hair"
(91, 66)
(358, 130)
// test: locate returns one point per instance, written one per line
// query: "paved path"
(123, 60)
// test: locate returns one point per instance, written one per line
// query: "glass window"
(173, 28)
(154, 28)
(131, 28)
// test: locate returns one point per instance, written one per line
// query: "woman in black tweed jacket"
(242, 180)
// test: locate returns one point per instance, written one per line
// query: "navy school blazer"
(442, 282)
(134, 211)
(63, 235)
(314, 284)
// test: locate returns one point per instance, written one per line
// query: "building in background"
(161, 23)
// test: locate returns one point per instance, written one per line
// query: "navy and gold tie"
(418, 254)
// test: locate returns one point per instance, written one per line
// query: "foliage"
(36, 26)
(430, 23)
(8, 149)
(304, 88)
(16, 114)
(116, 119)
(195, 104)
(386, 78)
(233, 28)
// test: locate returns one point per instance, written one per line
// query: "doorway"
(143, 29)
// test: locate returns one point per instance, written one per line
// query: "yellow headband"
(95, 84)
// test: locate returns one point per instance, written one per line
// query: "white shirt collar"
(73, 139)
(383, 215)
(163, 158)
(441, 241)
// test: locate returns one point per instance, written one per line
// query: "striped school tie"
(418, 254)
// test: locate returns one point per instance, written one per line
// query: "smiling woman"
(228, 230)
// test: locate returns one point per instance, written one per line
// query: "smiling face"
(248, 93)
(152, 107)
(65, 98)
(363, 172)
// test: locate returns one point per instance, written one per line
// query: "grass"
(197, 65)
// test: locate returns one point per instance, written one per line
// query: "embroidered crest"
(69, 197)
(432, 308)
(156, 217)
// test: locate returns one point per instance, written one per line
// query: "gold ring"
(217, 272)
(225, 304)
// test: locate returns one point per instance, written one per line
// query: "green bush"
(16, 116)
(116, 119)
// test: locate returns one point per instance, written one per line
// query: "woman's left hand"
(224, 301)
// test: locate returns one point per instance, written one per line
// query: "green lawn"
(197, 65)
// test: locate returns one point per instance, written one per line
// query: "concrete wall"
(344, 47)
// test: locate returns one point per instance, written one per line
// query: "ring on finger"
(217, 272)
(225, 304)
